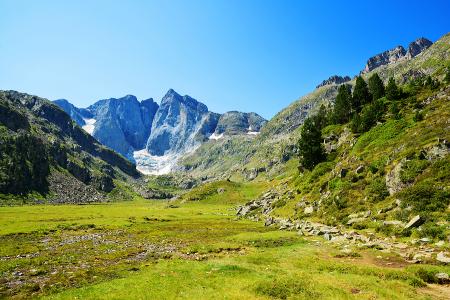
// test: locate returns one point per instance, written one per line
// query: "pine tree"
(310, 145)
(361, 95)
(376, 87)
(342, 105)
(321, 118)
(392, 91)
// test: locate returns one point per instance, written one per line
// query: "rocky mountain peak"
(387, 57)
(335, 79)
(396, 54)
(416, 47)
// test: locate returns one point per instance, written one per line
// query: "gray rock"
(441, 257)
(414, 222)
(308, 210)
(442, 278)
(220, 190)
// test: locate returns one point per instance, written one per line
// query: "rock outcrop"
(416, 47)
(335, 79)
(385, 58)
(234, 122)
(396, 54)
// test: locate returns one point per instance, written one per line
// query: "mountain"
(43, 150)
(123, 124)
(180, 123)
(157, 136)
(277, 142)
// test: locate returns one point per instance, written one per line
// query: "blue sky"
(232, 55)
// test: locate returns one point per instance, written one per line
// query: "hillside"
(46, 157)
(276, 144)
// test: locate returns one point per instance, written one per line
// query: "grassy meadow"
(193, 248)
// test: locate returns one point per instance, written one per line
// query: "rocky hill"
(43, 151)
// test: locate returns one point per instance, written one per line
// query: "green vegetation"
(195, 249)
(310, 144)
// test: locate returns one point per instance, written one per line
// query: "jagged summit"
(335, 79)
(395, 54)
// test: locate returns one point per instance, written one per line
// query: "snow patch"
(215, 136)
(158, 165)
(253, 132)
(89, 127)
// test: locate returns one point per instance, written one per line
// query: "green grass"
(198, 250)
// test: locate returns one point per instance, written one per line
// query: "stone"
(220, 190)
(308, 210)
(328, 236)
(359, 169)
(414, 222)
(442, 278)
(441, 257)
(440, 243)
(425, 240)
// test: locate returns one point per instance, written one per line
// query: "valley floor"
(194, 250)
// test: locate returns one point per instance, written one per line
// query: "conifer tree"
(310, 145)
(361, 95)
(376, 87)
(342, 105)
(392, 91)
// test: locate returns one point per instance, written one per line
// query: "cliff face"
(177, 123)
(398, 53)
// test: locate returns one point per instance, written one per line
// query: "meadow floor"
(196, 250)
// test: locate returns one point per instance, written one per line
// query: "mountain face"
(123, 124)
(42, 149)
(77, 114)
(154, 136)
(180, 123)
(396, 54)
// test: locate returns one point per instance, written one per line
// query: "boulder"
(394, 223)
(441, 257)
(442, 278)
(414, 222)
(308, 210)
(220, 190)
(343, 172)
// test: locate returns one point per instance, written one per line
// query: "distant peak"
(335, 79)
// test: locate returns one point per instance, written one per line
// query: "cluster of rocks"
(335, 79)
(80, 193)
(415, 252)
(396, 54)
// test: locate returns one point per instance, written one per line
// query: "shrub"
(378, 190)
(412, 169)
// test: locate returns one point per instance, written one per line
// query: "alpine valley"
(344, 194)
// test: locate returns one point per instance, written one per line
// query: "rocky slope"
(44, 151)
